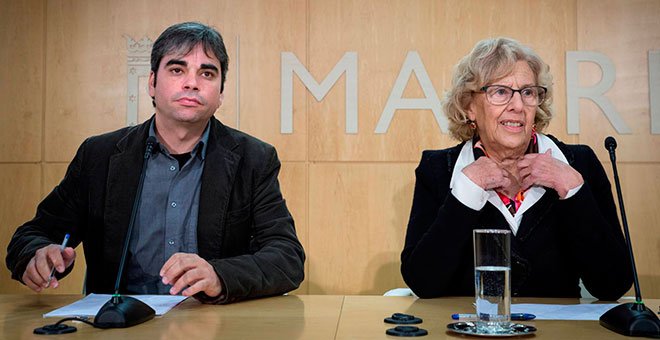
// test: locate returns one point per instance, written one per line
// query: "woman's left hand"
(544, 170)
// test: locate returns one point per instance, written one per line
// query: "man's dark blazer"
(244, 227)
(557, 243)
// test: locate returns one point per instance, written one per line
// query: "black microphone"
(610, 145)
(633, 318)
(125, 311)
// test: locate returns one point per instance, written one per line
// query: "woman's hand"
(489, 174)
(544, 170)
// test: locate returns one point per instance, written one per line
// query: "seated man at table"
(211, 222)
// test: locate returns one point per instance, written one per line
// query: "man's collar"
(199, 149)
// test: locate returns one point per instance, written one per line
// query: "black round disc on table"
(406, 331)
(403, 319)
(55, 329)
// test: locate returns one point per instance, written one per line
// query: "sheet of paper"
(90, 304)
(563, 312)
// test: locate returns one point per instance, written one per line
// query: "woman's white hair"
(492, 59)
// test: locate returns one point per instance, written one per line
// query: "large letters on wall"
(413, 64)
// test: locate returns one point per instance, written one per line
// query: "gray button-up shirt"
(166, 222)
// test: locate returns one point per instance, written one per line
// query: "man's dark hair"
(182, 38)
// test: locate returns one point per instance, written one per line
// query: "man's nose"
(190, 83)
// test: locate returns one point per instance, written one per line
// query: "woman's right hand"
(488, 174)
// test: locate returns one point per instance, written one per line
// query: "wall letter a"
(413, 63)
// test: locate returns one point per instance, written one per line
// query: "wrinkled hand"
(544, 170)
(190, 274)
(488, 174)
(38, 269)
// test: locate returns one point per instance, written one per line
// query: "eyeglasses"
(501, 95)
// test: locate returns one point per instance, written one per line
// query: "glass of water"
(492, 280)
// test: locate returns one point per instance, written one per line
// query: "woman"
(506, 174)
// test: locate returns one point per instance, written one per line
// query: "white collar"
(532, 195)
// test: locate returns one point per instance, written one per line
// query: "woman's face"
(505, 129)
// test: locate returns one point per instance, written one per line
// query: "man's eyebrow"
(176, 62)
(209, 67)
(185, 64)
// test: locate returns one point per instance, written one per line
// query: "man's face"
(187, 89)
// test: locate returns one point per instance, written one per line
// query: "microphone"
(610, 145)
(633, 318)
(125, 311)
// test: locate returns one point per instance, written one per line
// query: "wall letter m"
(291, 65)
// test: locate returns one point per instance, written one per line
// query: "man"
(212, 222)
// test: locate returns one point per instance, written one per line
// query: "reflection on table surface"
(284, 317)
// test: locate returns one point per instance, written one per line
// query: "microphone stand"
(633, 318)
(125, 311)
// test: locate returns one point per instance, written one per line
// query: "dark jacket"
(244, 229)
(558, 241)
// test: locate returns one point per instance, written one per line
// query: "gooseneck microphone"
(610, 145)
(125, 311)
(633, 318)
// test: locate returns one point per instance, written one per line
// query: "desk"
(283, 317)
(362, 318)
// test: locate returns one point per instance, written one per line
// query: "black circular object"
(406, 331)
(403, 319)
(55, 329)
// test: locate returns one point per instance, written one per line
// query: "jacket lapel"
(220, 167)
(124, 171)
(537, 213)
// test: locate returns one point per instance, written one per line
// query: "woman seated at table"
(505, 174)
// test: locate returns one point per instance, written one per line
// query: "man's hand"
(38, 269)
(191, 274)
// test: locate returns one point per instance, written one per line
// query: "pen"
(62, 246)
(514, 316)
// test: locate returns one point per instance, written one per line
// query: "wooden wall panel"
(641, 199)
(441, 32)
(377, 33)
(21, 80)
(641, 194)
(265, 29)
(86, 74)
(20, 192)
(349, 194)
(293, 181)
(358, 215)
(53, 173)
(624, 31)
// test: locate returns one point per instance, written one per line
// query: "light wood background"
(63, 77)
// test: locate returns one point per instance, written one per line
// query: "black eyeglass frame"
(513, 92)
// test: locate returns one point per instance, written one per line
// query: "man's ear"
(152, 84)
(221, 98)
